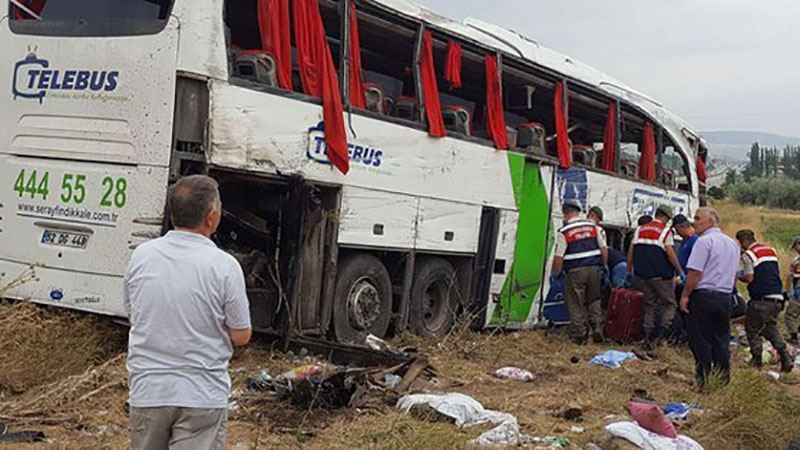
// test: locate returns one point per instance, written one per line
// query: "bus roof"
(514, 43)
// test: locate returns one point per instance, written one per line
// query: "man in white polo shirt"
(188, 308)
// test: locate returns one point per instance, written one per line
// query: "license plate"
(69, 239)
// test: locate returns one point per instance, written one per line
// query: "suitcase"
(624, 322)
(555, 310)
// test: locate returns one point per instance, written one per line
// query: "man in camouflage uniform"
(792, 318)
(762, 274)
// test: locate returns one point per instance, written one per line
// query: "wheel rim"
(435, 305)
(364, 304)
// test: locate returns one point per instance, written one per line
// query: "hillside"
(736, 144)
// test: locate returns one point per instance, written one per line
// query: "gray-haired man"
(188, 308)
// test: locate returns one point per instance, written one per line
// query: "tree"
(730, 177)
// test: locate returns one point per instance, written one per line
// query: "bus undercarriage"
(283, 231)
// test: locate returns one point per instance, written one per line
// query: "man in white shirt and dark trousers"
(582, 253)
(188, 308)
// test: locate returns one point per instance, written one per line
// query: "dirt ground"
(64, 374)
(86, 410)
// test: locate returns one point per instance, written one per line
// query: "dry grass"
(775, 226)
(752, 413)
(40, 345)
(81, 406)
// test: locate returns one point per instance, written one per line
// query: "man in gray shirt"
(188, 308)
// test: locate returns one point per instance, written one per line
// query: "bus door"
(85, 138)
(523, 284)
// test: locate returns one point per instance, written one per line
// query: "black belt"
(768, 300)
(712, 293)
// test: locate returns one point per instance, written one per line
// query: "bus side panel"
(269, 133)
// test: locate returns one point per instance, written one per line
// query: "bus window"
(673, 170)
(529, 114)
(387, 61)
(246, 58)
(464, 108)
(89, 17)
(631, 138)
(588, 114)
(90, 9)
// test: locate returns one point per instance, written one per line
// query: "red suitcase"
(624, 322)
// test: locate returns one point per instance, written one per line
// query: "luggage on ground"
(624, 322)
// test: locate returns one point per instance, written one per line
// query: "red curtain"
(647, 162)
(452, 66)
(430, 89)
(273, 23)
(702, 175)
(610, 139)
(36, 7)
(320, 78)
(357, 96)
(495, 120)
(562, 133)
(308, 40)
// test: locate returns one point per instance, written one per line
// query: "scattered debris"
(514, 373)
(648, 440)
(592, 446)
(642, 395)
(650, 417)
(391, 380)
(571, 412)
(377, 343)
(260, 382)
(679, 411)
(612, 359)
(20, 436)
(324, 386)
(302, 372)
(643, 355)
(774, 375)
(465, 411)
(329, 391)
(577, 430)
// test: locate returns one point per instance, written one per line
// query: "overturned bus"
(382, 168)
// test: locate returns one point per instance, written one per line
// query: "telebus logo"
(34, 78)
(317, 152)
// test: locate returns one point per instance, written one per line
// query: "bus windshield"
(88, 17)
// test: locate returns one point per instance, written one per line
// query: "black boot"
(786, 361)
(793, 339)
(756, 362)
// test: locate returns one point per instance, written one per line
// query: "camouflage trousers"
(582, 296)
(792, 317)
(762, 321)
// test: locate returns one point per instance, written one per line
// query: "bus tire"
(434, 298)
(362, 302)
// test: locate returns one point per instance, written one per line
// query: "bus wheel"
(362, 299)
(434, 298)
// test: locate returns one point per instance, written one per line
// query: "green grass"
(781, 230)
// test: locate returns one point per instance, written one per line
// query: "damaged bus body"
(112, 100)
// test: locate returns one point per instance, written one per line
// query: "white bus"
(108, 101)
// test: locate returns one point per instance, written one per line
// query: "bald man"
(707, 296)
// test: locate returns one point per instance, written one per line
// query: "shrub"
(775, 193)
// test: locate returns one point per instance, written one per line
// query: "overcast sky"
(721, 64)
